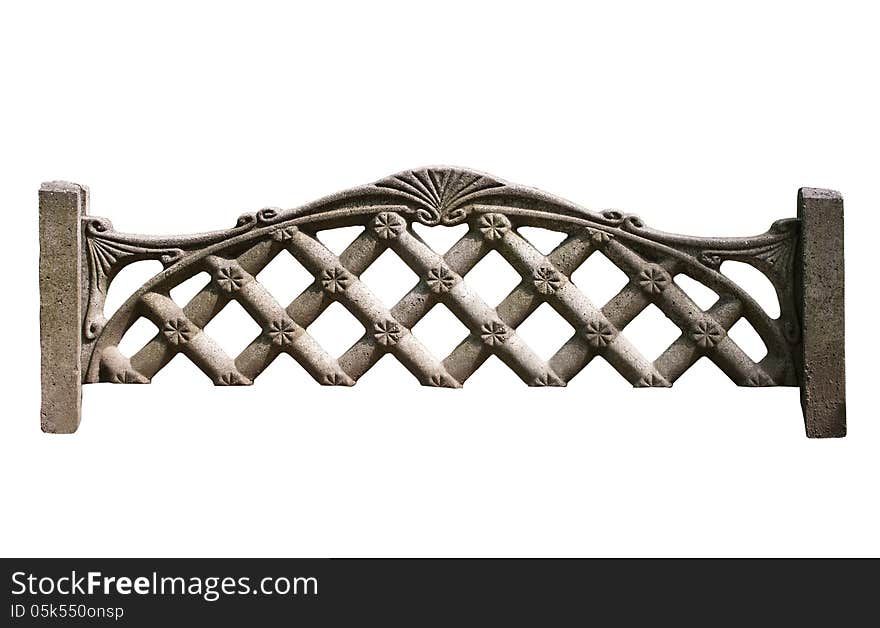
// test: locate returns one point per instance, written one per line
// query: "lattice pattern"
(233, 266)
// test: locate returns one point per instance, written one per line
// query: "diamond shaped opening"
(651, 332)
(599, 279)
(755, 283)
(440, 331)
(600, 375)
(544, 240)
(387, 372)
(337, 240)
(493, 278)
(128, 281)
(702, 375)
(440, 238)
(336, 329)
(389, 278)
(181, 373)
(183, 292)
(493, 373)
(233, 329)
(139, 334)
(285, 278)
(744, 335)
(284, 371)
(545, 331)
(703, 296)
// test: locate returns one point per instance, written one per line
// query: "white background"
(181, 117)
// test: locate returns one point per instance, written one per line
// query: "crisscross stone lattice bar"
(463, 255)
(700, 329)
(598, 334)
(577, 309)
(281, 332)
(200, 310)
(482, 320)
(387, 331)
(182, 335)
(357, 257)
(471, 353)
(791, 256)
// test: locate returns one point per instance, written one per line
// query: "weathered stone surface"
(821, 303)
(61, 207)
(495, 211)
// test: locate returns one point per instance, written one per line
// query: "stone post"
(62, 205)
(819, 281)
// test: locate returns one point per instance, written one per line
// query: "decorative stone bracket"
(803, 259)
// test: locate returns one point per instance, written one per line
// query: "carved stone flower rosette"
(494, 226)
(229, 279)
(440, 380)
(758, 379)
(388, 225)
(337, 379)
(652, 380)
(654, 279)
(232, 378)
(599, 334)
(547, 280)
(707, 334)
(127, 376)
(178, 331)
(598, 237)
(284, 234)
(387, 333)
(494, 333)
(547, 379)
(335, 280)
(440, 279)
(282, 332)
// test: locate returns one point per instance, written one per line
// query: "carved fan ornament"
(440, 195)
